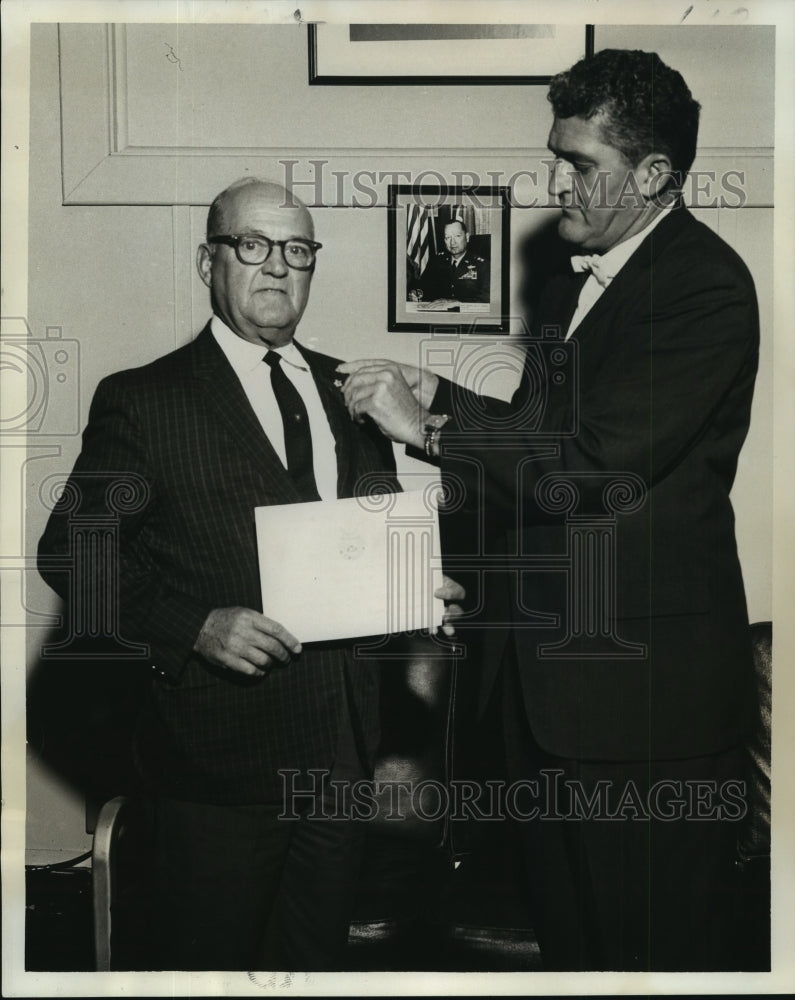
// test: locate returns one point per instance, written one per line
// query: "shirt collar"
(245, 356)
(614, 259)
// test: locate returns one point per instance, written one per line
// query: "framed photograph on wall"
(448, 258)
(444, 53)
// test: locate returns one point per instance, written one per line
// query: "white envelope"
(338, 569)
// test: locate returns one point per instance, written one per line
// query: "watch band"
(433, 430)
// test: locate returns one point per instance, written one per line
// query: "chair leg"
(106, 834)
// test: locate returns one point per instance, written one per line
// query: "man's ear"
(204, 264)
(654, 174)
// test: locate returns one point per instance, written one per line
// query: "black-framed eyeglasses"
(255, 249)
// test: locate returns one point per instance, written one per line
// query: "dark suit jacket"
(653, 390)
(184, 426)
(467, 281)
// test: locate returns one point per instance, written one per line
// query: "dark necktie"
(297, 434)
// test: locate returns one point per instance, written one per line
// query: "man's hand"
(450, 591)
(421, 381)
(244, 640)
(379, 390)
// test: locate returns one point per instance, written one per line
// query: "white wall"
(118, 277)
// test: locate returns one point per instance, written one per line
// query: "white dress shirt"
(255, 376)
(610, 263)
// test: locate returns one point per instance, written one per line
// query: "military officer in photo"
(455, 273)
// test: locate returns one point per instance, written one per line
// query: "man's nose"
(275, 263)
(559, 178)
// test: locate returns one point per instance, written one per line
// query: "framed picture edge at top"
(336, 58)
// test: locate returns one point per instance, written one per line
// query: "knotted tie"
(593, 263)
(297, 433)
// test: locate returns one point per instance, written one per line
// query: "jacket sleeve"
(113, 483)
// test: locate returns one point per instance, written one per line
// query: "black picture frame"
(345, 71)
(426, 294)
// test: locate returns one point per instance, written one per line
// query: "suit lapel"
(560, 301)
(323, 370)
(225, 395)
(634, 275)
(626, 282)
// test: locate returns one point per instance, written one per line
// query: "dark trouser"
(637, 892)
(239, 888)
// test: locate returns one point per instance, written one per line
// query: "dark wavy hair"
(646, 106)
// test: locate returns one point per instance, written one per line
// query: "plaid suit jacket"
(183, 426)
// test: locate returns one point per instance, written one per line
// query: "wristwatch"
(433, 430)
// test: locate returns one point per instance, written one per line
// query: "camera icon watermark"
(514, 464)
(39, 409)
(41, 380)
(542, 366)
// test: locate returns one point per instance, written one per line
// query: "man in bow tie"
(241, 417)
(614, 644)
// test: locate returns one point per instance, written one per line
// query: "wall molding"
(101, 167)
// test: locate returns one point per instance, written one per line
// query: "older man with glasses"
(239, 418)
